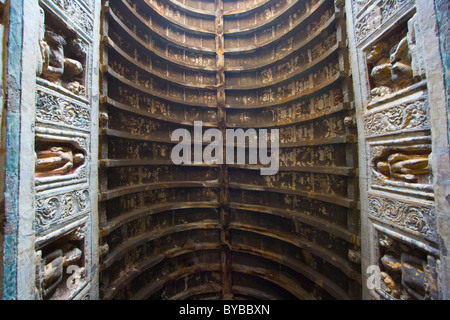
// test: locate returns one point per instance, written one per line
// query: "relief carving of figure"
(50, 269)
(52, 50)
(267, 75)
(57, 161)
(400, 61)
(409, 277)
(397, 68)
(404, 167)
(53, 65)
(381, 72)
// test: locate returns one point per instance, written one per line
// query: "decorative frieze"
(411, 116)
(397, 190)
(51, 109)
(358, 5)
(60, 207)
(416, 218)
(77, 13)
(52, 48)
(376, 16)
(287, 91)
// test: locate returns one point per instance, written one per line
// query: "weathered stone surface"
(96, 208)
(396, 100)
(266, 74)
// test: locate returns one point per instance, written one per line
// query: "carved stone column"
(53, 226)
(394, 99)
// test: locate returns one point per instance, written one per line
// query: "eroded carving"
(407, 273)
(408, 164)
(395, 64)
(416, 49)
(76, 12)
(58, 160)
(60, 267)
(375, 16)
(282, 92)
(413, 217)
(54, 65)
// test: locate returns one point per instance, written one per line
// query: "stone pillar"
(403, 147)
(434, 24)
(51, 155)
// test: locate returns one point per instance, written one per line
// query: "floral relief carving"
(375, 16)
(407, 116)
(389, 7)
(77, 13)
(50, 210)
(68, 205)
(57, 110)
(391, 211)
(47, 210)
(375, 207)
(358, 5)
(368, 24)
(412, 217)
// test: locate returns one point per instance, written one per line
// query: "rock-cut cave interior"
(355, 89)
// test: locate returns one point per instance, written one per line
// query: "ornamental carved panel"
(416, 218)
(409, 116)
(65, 128)
(396, 151)
(60, 208)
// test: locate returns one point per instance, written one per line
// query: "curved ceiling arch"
(275, 64)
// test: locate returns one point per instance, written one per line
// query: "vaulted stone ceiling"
(225, 231)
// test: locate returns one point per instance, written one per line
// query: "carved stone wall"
(231, 64)
(52, 214)
(92, 206)
(66, 95)
(397, 135)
